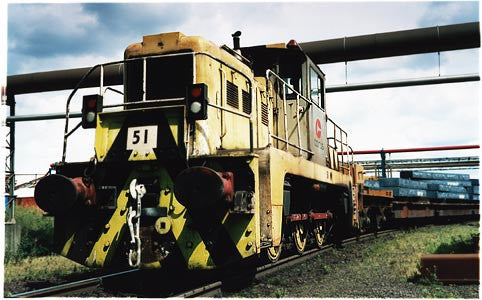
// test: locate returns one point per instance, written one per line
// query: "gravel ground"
(350, 273)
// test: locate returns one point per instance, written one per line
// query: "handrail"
(241, 114)
(268, 71)
(342, 142)
(145, 102)
(285, 115)
(101, 84)
(293, 145)
(285, 120)
(297, 121)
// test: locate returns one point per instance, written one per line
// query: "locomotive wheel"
(319, 231)
(299, 234)
(273, 253)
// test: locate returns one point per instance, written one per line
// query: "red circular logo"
(318, 128)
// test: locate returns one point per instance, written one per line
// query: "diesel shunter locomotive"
(216, 155)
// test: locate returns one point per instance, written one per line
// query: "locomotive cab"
(298, 87)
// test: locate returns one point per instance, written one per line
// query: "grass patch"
(459, 245)
(380, 268)
(279, 293)
(462, 243)
(37, 234)
(409, 247)
(41, 268)
(276, 281)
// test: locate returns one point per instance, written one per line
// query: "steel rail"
(70, 287)
(210, 290)
(214, 288)
(295, 259)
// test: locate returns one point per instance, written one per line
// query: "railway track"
(214, 289)
(208, 290)
(69, 288)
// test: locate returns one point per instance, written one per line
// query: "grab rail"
(341, 147)
(285, 118)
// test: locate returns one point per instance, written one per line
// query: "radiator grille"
(246, 102)
(232, 94)
(264, 114)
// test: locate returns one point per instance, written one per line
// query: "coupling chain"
(89, 171)
(136, 191)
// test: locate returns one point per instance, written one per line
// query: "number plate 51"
(141, 138)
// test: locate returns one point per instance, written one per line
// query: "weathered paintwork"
(222, 141)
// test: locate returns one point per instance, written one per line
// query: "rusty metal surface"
(452, 267)
(378, 193)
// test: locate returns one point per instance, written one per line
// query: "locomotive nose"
(56, 194)
(197, 187)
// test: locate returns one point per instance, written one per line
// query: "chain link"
(136, 191)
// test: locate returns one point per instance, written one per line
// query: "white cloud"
(266, 23)
(61, 19)
(408, 117)
(460, 61)
(40, 143)
(446, 12)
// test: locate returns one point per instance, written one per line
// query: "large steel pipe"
(420, 149)
(415, 41)
(402, 83)
(329, 89)
(62, 80)
(424, 40)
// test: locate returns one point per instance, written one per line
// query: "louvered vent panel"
(264, 114)
(246, 102)
(232, 94)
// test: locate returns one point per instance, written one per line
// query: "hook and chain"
(136, 191)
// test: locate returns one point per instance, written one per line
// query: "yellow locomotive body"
(258, 169)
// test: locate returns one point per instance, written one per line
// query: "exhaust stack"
(236, 41)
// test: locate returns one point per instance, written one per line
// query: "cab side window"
(316, 88)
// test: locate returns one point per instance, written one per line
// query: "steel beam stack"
(440, 186)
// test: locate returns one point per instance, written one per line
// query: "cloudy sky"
(44, 37)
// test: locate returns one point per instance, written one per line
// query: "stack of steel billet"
(442, 191)
(442, 185)
(419, 175)
(474, 193)
(430, 185)
(372, 184)
(464, 183)
(404, 187)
